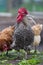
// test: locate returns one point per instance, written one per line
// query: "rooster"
(37, 37)
(24, 35)
(6, 38)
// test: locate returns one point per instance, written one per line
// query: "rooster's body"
(23, 38)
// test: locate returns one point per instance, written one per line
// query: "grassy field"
(14, 58)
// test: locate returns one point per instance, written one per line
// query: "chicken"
(37, 38)
(6, 38)
(23, 34)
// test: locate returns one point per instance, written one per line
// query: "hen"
(37, 37)
(6, 38)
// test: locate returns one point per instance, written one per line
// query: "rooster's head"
(21, 13)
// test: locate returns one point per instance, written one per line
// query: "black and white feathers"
(23, 38)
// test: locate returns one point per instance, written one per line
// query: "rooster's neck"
(26, 21)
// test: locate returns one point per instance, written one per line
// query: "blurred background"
(13, 5)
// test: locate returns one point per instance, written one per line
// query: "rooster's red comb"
(22, 10)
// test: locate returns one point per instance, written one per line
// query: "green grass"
(34, 60)
(13, 55)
